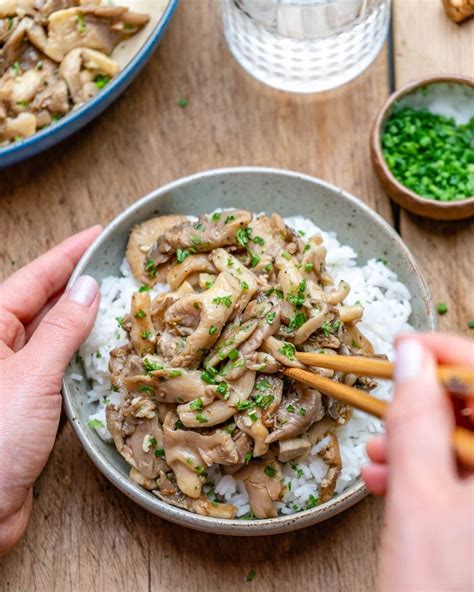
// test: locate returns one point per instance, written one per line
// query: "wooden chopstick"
(463, 440)
(456, 379)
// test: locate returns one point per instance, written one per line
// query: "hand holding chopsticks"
(455, 379)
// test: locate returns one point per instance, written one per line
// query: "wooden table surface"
(85, 535)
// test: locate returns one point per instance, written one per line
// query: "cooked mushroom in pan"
(54, 56)
(202, 373)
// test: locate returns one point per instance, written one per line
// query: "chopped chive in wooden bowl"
(430, 154)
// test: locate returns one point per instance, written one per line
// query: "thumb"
(420, 421)
(63, 329)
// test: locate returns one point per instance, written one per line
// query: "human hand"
(428, 540)
(39, 332)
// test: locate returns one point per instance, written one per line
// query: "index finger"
(447, 348)
(27, 291)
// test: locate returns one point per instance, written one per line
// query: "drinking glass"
(305, 45)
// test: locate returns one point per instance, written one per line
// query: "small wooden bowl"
(446, 95)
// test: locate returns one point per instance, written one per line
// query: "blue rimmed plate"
(132, 56)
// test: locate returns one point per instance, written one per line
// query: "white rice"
(387, 310)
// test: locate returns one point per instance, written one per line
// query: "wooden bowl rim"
(377, 146)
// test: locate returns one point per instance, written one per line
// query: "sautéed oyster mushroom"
(201, 375)
(54, 56)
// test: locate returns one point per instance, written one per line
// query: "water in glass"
(305, 45)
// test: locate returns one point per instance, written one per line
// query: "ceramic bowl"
(452, 96)
(256, 189)
(132, 56)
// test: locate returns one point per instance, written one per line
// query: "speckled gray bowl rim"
(236, 527)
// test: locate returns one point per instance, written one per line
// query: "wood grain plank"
(84, 534)
(426, 45)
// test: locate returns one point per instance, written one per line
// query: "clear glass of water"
(305, 45)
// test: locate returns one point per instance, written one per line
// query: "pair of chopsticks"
(456, 379)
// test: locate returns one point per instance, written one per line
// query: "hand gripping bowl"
(255, 189)
(132, 55)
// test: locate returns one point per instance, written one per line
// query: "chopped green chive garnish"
(254, 260)
(196, 404)
(223, 389)
(271, 317)
(243, 405)
(242, 236)
(227, 300)
(250, 576)
(269, 471)
(145, 388)
(233, 354)
(101, 80)
(95, 423)
(80, 23)
(442, 308)
(312, 502)
(288, 350)
(297, 320)
(206, 376)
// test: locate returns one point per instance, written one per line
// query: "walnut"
(459, 10)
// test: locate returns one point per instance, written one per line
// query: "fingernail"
(409, 360)
(83, 291)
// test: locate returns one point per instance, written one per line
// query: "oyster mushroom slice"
(178, 272)
(231, 338)
(202, 505)
(188, 453)
(224, 261)
(331, 455)
(138, 448)
(209, 233)
(97, 27)
(349, 314)
(80, 68)
(339, 294)
(201, 317)
(292, 448)
(219, 411)
(27, 28)
(262, 481)
(142, 334)
(250, 422)
(297, 412)
(141, 239)
(277, 349)
(169, 385)
(12, 7)
(23, 125)
(314, 323)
